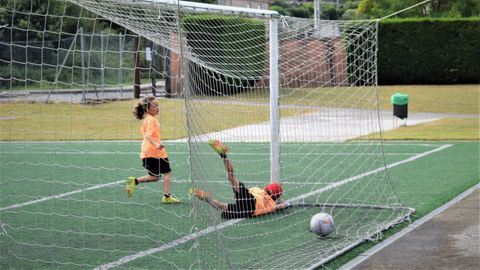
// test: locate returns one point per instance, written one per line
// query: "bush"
(429, 51)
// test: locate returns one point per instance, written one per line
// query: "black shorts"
(156, 166)
(244, 205)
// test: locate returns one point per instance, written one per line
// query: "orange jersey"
(151, 127)
(263, 202)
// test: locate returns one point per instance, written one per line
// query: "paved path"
(327, 124)
(450, 240)
(76, 95)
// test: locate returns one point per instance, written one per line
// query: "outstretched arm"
(207, 197)
(218, 204)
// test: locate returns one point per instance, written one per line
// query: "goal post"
(295, 100)
(274, 102)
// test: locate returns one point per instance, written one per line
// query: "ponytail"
(142, 107)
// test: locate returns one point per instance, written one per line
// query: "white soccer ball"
(322, 224)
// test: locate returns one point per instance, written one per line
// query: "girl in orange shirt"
(153, 152)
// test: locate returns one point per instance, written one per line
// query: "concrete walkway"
(324, 125)
(77, 95)
(448, 238)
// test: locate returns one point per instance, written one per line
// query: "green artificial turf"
(90, 225)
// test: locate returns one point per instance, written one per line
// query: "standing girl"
(153, 152)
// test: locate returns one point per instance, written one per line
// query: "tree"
(371, 9)
(467, 8)
(13, 15)
(305, 10)
(374, 9)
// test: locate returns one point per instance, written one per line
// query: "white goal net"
(295, 100)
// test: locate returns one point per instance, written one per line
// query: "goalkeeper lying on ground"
(248, 202)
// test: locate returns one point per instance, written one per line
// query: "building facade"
(256, 4)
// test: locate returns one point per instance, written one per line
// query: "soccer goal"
(295, 100)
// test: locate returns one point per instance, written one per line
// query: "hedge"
(233, 51)
(429, 51)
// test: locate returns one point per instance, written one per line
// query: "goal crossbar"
(204, 7)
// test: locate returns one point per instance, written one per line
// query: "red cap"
(275, 190)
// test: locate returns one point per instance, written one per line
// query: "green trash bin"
(400, 105)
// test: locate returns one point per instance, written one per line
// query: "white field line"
(121, 182)
(222, 225)
(60, 195)
(353, 178)
(171, 244)
(186, 181)
(138, 142)
(178, 153)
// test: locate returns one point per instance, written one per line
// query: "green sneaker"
(218, 146)
(170, 200)
(130, 186)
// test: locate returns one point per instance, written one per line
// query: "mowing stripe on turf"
(222, 225)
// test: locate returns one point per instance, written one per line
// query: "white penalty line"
(172, 244)
(333, 185)
(222, 225)
(121, 182)
(44, 199)
(184, 153)
(18, 205)
(60, 195)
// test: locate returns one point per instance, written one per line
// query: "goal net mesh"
(63, 203)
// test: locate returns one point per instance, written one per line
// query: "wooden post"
(136, 60)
